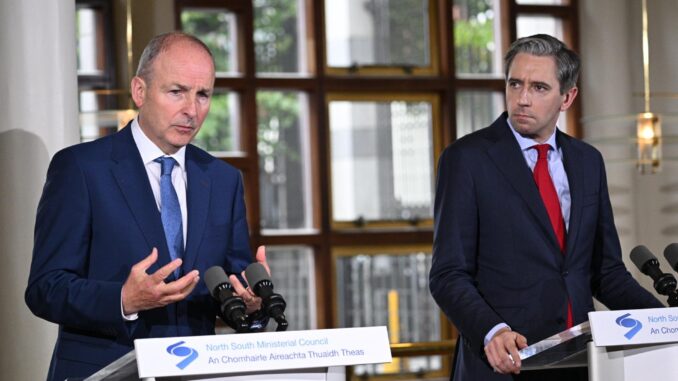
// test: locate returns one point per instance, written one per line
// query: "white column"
(612, 87)
(607, 95)
(38, 105)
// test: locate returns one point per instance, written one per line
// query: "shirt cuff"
(130, 317)
(494, 331)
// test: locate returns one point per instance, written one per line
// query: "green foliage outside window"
(213, 28)
(275, 36)
(474, 37)
(216, 132)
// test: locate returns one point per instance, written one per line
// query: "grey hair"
(162, 43)
(567, 62)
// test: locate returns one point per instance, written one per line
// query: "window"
(100, 101)
(217, 29)
(279, 30)
(336, 112)
(393, 36)
(284, 156)
(478, 38)
(382, 154)
(298, 290)
(477, 109)
(218, 133)
(389, 286)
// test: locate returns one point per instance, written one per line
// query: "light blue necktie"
(170, 211)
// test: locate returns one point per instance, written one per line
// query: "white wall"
(38, 93)
(646, 206)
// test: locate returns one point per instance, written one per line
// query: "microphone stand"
(673, 298)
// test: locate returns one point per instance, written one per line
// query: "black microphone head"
(671, 255)
(232, 307)
(255, 273)
(214, 277)
(274, 304)
(640, 255)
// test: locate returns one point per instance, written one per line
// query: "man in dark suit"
(106, 266)
(524, 235)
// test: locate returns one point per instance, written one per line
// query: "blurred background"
(335, 111)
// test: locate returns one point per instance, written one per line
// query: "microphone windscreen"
(640, 255)
(214, 276)
(671, 255)
(255, 273)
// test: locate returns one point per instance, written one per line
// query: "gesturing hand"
(502, 351)
(252, 301)
(143, 291)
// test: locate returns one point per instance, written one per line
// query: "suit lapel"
(507, 157)
(197, 199)
(130, 174)
(573, 168)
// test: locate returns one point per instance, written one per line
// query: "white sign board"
(633, 327)
(266, 351)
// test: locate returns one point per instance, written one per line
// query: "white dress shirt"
(149, 152)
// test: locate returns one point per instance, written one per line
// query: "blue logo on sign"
(178, 349)
(628, 322)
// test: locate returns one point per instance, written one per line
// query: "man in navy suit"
(101, 265)
(501, 272)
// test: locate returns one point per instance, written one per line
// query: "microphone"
(671, 255)
(664, 284)
(232, 307)
(261, 284)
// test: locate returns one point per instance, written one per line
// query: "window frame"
(322, 84)
(436, 143)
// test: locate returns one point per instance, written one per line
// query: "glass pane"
(529, 25)
(377, 32)
(391, 290)
(292, 274)
(283, 147)
(277, 27)
(477, 109)
(217, 29)
(220, 130)
(544, 2)
(103, 112)
(382, 160)
(477, 37)
(90, 41)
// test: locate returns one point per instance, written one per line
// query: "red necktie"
(550, 197)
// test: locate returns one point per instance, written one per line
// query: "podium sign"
(254, 352)
(633, 327)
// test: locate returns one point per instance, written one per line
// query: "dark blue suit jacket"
(495, 255)
(97, 217)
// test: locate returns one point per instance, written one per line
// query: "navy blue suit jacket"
(495, 255)
(96, 218)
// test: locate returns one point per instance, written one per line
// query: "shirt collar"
(527, 143)
(149, 151)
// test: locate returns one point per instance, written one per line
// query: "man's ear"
(138, 90)
(569, 98)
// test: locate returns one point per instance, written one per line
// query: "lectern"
(313, 355)
(626, 345)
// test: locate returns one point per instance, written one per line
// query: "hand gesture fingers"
(167, 270)
(145, 263)
(252, 302)
(261, 258)
(142, 291)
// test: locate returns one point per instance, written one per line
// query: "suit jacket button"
(565, 274)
